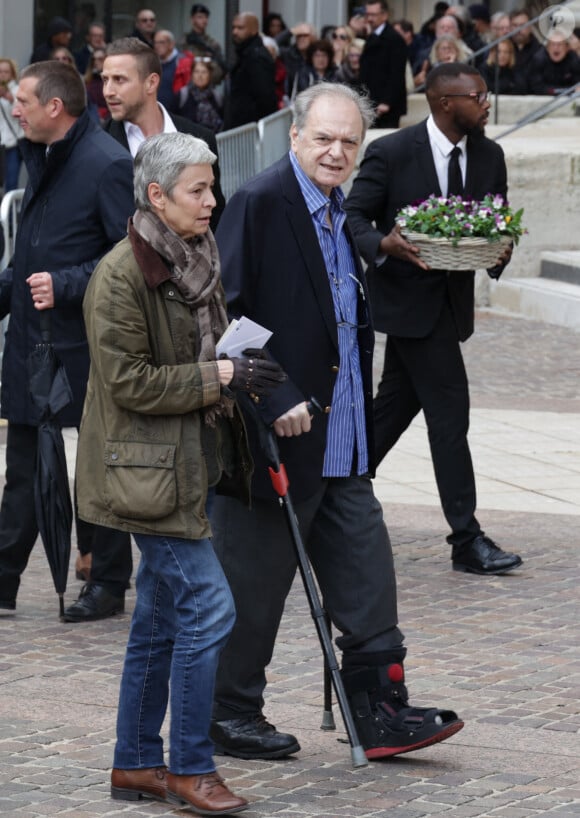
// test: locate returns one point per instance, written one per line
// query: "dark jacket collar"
(250, 42)
(40, 163)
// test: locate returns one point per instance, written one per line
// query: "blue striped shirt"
(346, 432)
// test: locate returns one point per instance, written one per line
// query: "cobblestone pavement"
(504, 652)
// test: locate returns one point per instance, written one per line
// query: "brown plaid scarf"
(195, 270)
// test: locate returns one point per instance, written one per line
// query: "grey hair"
(162, 159)
(306, 99)
(167, 33)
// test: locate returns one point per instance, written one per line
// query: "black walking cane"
(280, 483)
(328, 722)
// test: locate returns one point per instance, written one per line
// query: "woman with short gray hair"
(160, 431)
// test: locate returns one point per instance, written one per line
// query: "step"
(542, 299)
(562, 265)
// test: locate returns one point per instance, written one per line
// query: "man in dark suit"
(95, 40)
(426, 313)
(145, 25)
(131, 76)
(524, 40)
(252, 87)
(382, 67)
(288, 262)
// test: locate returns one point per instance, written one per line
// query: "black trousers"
(18, 527)
(347, 541)
(429, 374)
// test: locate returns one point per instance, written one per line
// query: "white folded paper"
(241, 334)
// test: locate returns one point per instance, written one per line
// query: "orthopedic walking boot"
(251, 737)
(205, 794)
(133, 785)
(386, 723)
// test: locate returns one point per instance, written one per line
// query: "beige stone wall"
(544, 177)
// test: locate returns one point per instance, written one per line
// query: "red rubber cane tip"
(395, 673)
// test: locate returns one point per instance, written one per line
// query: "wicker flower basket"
(468, 254)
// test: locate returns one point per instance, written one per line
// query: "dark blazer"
(252, 85)
(273, 271)
(397, 170)
(382, 69)
(183, 125)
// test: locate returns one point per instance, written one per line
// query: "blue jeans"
(183, 615)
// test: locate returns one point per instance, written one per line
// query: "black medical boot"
(386, 723)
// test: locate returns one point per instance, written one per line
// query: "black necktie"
(454, 180)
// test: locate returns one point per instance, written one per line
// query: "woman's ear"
(156, 196)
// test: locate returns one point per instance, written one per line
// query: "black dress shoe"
(94, 602)
(251, 737)
(482, 556)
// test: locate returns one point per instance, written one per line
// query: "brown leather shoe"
(133, 785)
(206, 794)
(83, 566)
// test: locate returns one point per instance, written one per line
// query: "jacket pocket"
(140, 479)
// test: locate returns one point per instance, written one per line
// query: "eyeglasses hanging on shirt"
(363, 307)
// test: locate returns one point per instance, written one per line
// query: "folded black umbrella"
(50, 391)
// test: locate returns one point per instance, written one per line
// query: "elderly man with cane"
(289, 263)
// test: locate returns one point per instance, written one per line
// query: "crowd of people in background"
(274, 62)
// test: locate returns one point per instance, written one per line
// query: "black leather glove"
(256, 373)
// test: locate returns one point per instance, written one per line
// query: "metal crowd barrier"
(274, 136)
(239, 151)
(9, 212)
(247, 150)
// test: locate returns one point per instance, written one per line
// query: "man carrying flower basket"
(427, 310)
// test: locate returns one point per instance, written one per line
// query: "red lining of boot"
(385, 752)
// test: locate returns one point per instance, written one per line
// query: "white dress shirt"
(441, 149)
(136, 137)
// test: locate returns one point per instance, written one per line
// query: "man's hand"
(382, 108)
(506, 255)
(41, 290)
(395, 245)
(499, 266)
(294, 422)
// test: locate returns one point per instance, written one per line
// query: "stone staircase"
(553, 296)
